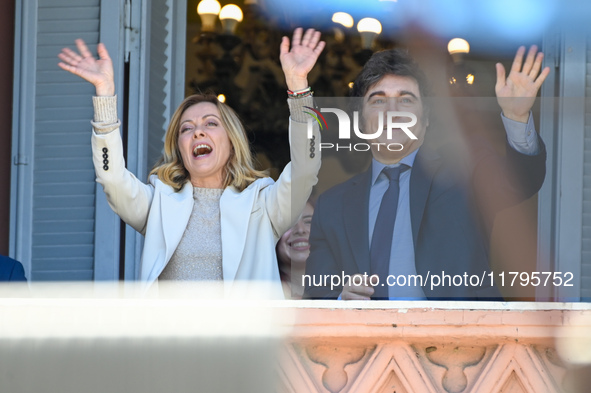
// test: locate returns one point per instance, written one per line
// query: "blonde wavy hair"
(239, 170)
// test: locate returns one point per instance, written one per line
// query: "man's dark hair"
(389, 62)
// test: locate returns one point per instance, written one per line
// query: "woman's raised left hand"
(99, 71)
(299, 60)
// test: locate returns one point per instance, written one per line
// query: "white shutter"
(159, 78)
(60, 222)
(586, 231)
(561, 238)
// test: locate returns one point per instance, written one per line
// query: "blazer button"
(106, 167)
(312, 149)
(311, 155)
(105, 150)
(105, 156)
(105, 162)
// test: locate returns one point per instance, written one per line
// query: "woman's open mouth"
(201, 150)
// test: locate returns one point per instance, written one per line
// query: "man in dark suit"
(11, 270)
(413, 213)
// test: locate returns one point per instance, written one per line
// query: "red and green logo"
(316, 115)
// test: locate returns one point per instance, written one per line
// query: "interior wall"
(6, 76)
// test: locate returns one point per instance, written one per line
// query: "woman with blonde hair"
(206, 213)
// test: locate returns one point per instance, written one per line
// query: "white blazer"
(252, 221)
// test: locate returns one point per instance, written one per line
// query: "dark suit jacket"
(11, 270)
(449, 233)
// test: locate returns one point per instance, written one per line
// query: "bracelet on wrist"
(307, 92)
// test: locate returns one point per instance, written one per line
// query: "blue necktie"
(381, 241)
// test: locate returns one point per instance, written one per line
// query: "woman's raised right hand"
(99, 71)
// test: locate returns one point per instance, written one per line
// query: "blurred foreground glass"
(81, 337)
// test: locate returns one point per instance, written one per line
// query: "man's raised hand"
(517, 92)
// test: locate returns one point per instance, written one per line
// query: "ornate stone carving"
(423, 350)
(334, 366)
(554, 364)
(455, 359)
(392, 384)
(335, 358)
(513, 385)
